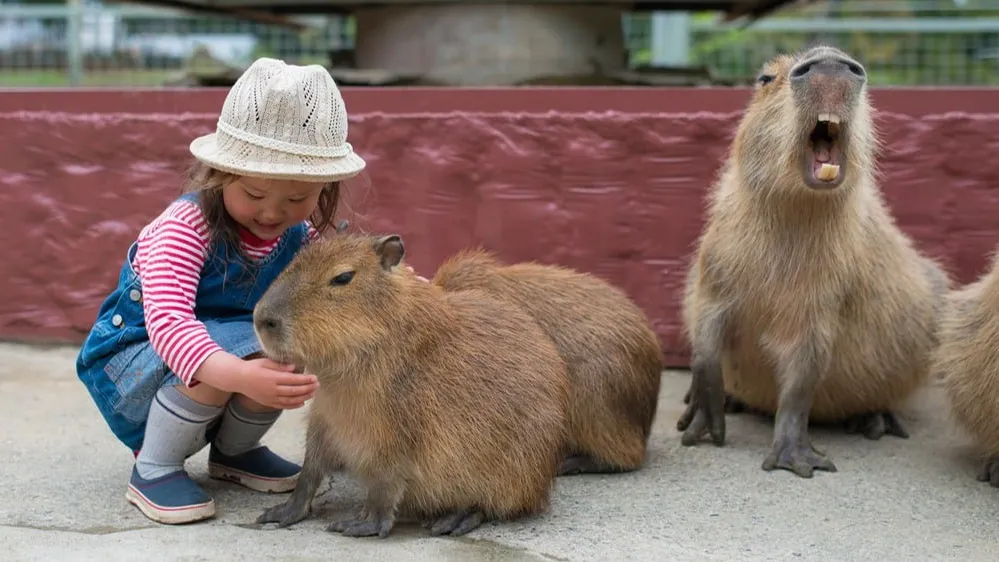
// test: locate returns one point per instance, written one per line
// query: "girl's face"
(268, 207)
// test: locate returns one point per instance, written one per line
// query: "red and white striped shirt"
(171, 252)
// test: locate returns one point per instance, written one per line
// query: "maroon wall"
(606, 180)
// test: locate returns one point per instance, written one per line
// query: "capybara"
(967, 363)
(613, 356)
(806, 301)
(451, 407)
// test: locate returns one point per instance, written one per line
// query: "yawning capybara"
(449, 406)
(806, 301)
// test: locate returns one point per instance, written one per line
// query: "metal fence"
(924, 43)
(123, 45)
(902, 43)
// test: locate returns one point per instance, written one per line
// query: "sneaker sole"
(252, 481)
(169, 515)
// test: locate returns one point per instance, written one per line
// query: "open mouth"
(823, 158)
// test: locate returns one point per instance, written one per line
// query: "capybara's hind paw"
(352, 527)
(285, 514)
(457, 523)
(798, 456)
(876, 425)
(989, 471)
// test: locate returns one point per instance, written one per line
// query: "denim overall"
(119, 366)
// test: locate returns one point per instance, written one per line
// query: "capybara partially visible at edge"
(967, 361)
(806, 301)
(449, 406)
(613, 356)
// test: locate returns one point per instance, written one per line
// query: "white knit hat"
(282, 121)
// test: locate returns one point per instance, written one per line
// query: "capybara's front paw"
(285, 514)
(876, 425)
(703, 415)
(797, 455)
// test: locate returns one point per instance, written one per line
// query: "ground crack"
(93, 531)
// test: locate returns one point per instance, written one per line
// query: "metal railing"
(126, 45)
(915, 42)
(925, 52)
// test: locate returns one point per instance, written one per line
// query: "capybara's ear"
(390, 250)
(342, 226)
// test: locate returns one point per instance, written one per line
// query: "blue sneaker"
(170, 499)
(258, 469)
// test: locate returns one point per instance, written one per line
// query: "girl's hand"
(274, 385)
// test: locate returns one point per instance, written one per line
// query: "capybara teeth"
(828, 172)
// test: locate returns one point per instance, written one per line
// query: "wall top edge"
(408, 100)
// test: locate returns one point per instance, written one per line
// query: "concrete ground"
(896, 499)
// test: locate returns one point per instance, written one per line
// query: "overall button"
(135, 295)
(117, 320)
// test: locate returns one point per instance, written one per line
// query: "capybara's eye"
(765, 79)
(343, 278)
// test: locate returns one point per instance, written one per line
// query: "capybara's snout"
(828, 65)
(828, 80)
(270, 318)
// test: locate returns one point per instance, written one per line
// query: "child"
(172, 361)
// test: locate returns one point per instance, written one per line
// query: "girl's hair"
(222, 229)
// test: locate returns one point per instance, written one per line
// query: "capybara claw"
(700, 418)
(696, 422)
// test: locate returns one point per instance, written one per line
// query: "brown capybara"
(806, 301)
(613, 356)
(967, 364)
(450, 406)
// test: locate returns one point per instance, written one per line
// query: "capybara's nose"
(828, 65)
(267, 323)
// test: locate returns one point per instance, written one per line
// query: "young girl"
(172, 361)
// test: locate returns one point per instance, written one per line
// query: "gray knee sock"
(175, 430)
(242, 429)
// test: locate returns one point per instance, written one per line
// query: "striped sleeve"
(169, 260)
(313, 233)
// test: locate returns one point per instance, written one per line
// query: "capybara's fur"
(967, 363)
(613, 356)
(449, 406)
(805, 296)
